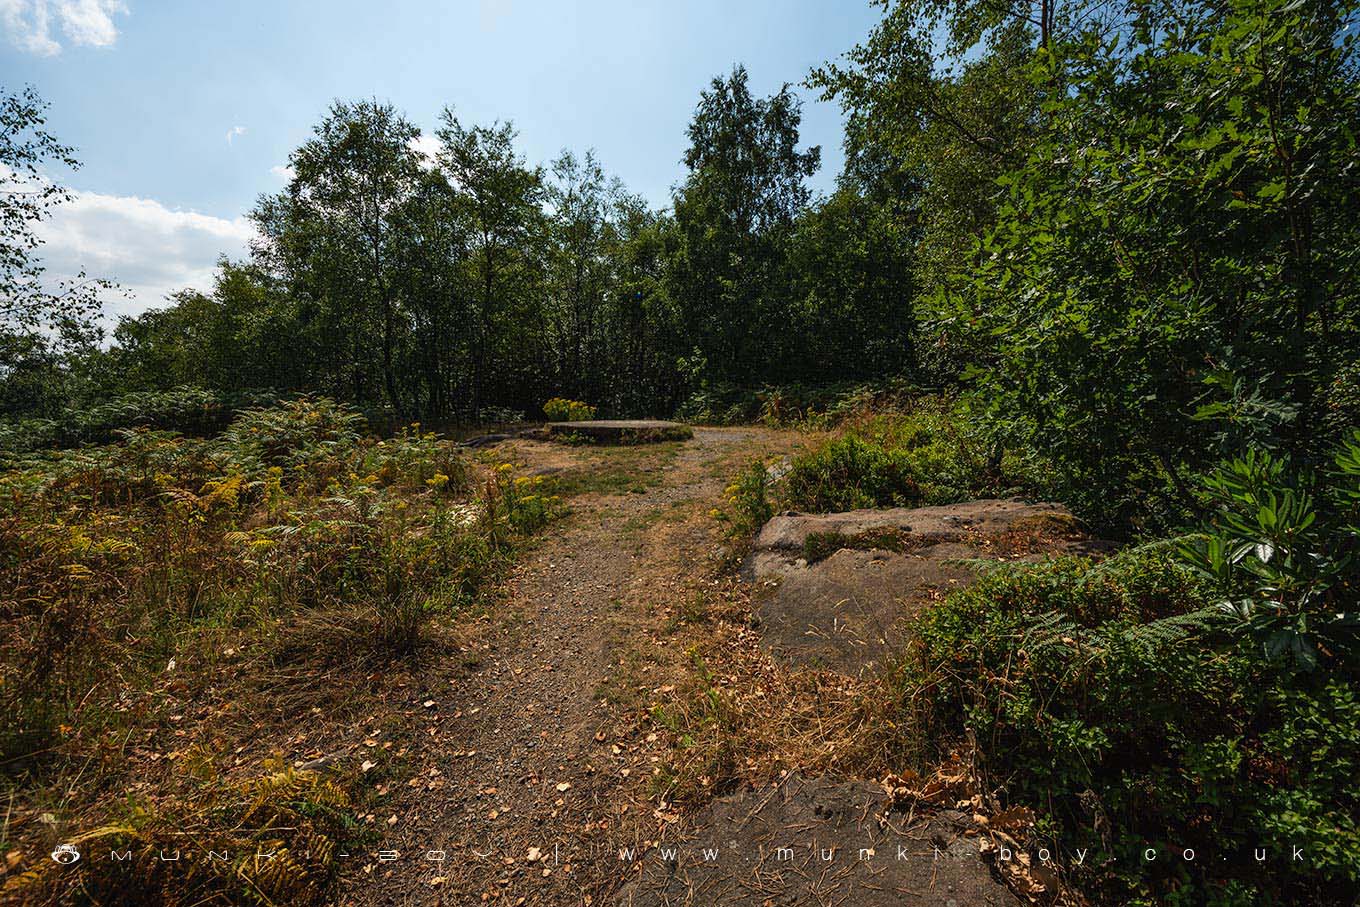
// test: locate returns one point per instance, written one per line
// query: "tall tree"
(440, 295)
(503, 199)
(581, 200)
(1172, 276)
(39, 317)
(337, 222)
(734, 213)
(946, 120)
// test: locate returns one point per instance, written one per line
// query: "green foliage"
(930, 126)
(519, 501)
(1287, 567)
(469, 282)
(296, 435)
(1110, 697)
(1342, 400)
(926, 454)
(795, 404)
(748, 502)
(1171, 274)
(559, 409)
(188, 410)
(849, 474)
(414, 460)
(114, 554)
(32, 304)
(734, 216)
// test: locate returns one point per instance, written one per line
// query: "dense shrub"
(296, 434)
(849, 473)
(747, 501)
(926, 454)
(1283, 547)
(290, 509)
(188, 410)
(559, 409)
(793, 404)
(1113, 699)
(1170, 277)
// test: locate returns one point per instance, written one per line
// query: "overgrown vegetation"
(881, 453)
(1283, 547)
(559, 409)
(298, 819)
(1120, 704)
(188, 410)
(290, 534)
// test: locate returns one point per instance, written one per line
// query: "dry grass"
(185, 622)
(742, 718)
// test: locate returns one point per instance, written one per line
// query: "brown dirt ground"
(536, 757)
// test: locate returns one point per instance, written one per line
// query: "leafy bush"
(1147, 289)
(927, 454)
(849, 473)
(559, 409)
(1342, 400)
(1111, 698)
(298, 434)
(748, 503)
(414, 460)
(800, 405)
(517, 502)
(1286, 562)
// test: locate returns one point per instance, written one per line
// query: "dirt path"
(533, 768)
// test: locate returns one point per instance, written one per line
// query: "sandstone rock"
(838, 590)
(809, 842)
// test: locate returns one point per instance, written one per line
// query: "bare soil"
(535, 764)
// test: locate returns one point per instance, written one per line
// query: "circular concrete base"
(619, 431)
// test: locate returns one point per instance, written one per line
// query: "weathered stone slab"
(839, 590)
(816, 842)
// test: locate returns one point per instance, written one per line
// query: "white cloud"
(27, 27)
(234, 131)
(426, 144)
(149, 249)
(90, 21)
(283, 172)
(28, 23)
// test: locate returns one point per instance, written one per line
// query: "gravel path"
(534, 773)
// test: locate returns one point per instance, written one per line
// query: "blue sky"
(183, 112)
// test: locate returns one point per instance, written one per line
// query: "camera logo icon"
(66, 854)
